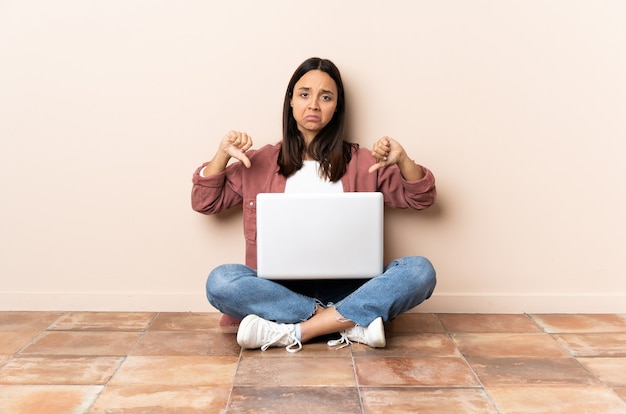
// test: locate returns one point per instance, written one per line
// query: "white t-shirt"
(308, 180)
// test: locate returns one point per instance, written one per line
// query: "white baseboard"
(196, 302)
(98, 301)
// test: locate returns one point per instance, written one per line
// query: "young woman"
(312, 156)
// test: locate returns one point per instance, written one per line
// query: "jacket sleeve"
(397, 192)
(216, 193)
(400, 193)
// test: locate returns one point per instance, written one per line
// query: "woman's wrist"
(217, 164)
(409, 169)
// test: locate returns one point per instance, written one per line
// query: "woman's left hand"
(387, 151)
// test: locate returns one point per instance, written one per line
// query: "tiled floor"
(81, 362)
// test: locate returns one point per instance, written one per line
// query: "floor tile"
(176, 371)
(159, 399)
(187, 321)
(414, 323)
(581, 323)
(13, 341)
(103, 321)
(431, 372)
(187, 343)
(531, 371)
(426, 401)
(556, 400)
(484, 323)
(419, 344)
(599, 344)
(59, 370)
(509, 345)
(47, 399)
(611, 371)
(302, 400)
(83, 343)
(293, 370)
(27, 321)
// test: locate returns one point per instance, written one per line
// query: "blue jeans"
(235, 290)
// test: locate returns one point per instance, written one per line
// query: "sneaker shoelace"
(280, 333)
(342, 340)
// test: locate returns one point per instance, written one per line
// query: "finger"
(380, 153)
(382, 146)
(242, 139)
(229, 138)
(385, 145)
(246, 142)
(238, 139)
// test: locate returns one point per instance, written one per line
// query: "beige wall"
(107, 107)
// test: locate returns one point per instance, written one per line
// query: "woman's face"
(314, 102)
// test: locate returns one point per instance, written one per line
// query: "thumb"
(238, 154)
(376, 166)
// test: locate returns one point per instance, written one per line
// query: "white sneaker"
(373, 335)
(255, 332)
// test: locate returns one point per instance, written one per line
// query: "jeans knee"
(423, 272)
(219, 281)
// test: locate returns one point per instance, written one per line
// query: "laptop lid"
(319, 236)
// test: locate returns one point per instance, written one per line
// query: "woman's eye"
(304, 95)
(327, 98)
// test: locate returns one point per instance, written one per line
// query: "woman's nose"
(313, 104)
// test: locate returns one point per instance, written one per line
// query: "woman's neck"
(307, 142)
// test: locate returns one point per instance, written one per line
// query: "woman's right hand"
(235, 144)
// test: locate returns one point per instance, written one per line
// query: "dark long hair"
(328, 147)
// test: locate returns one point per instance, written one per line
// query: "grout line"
(38, 336)
(356, 381)
(232, 384)
(123, 359)
(464, 358)
(571, 353)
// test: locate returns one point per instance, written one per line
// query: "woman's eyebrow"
(307, 89)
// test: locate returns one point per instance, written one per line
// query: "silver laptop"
(319, 236)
